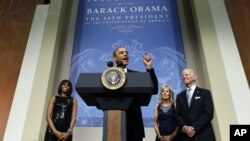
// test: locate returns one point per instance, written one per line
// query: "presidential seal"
(113, 78)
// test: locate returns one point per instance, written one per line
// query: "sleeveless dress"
(61, 117)
(166, 120)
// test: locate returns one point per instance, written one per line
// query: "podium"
(137, 89)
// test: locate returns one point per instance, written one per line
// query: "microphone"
(110, 64)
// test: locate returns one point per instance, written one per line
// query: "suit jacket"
(199, 114)
(135, 127)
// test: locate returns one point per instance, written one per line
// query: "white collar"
(192, 88)
(125, 69)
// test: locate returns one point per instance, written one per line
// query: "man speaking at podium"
(135, 127)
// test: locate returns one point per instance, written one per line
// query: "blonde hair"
(170, 91)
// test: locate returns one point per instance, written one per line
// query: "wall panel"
(15, 21)
(239, 15)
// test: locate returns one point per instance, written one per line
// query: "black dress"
(166, 120)
(61, 117)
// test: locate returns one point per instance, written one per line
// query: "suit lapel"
(184, 97)
(195, 94)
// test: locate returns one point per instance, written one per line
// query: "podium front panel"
(138, 87)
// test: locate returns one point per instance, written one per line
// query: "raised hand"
(147, 60)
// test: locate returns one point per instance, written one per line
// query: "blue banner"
(141, 26)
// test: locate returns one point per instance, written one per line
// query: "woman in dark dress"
(165, 123)
(61, 114)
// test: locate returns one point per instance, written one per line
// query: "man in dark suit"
(194, 110)
(135, 127)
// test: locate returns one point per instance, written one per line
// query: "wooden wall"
(239, 15)
(15, 21)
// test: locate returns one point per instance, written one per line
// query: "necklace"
(165, 109)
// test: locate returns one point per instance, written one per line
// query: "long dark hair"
(62, 83)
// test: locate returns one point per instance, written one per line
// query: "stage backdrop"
(150, 26)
